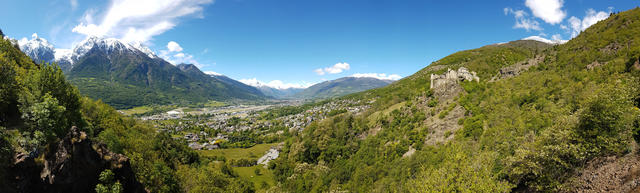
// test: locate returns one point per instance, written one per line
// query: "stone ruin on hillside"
(452, 76)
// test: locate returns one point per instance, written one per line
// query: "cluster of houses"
(212, 142)
(247, 119)
(231, 111)
(299, 121)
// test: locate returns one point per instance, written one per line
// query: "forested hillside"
(539, 115)
(52, 139)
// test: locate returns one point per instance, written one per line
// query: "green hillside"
(129, 79)
(576, 102)
(52, 139)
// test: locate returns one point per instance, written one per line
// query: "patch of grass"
(186, 110)
(375, 116)
(257, 180)
(215, 104)
(239, 153)
(136, 110)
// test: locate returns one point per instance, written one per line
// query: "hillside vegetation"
(127, 79)
(39, 107)
(531, 132)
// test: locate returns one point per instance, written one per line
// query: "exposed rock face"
(446, 86)
(72, 165)
(516, 69)
(594, 64)
(452, 76)
(444, 129)
(608, 174)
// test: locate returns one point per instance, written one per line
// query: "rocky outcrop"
(71, 165)
(517, 68)
(594, 64)
(446, 86)
(608, 174)
(453, 77)
(635, 65)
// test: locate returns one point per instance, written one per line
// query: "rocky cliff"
(70, 165)
(453, 76)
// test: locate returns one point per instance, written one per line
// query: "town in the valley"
(244, 126)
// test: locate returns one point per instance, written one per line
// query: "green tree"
(108, 184)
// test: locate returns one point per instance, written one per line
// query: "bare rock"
(409, 152)
(608, 174)
(452, 76)
(72, 165)
(594, 64)
(517, 68)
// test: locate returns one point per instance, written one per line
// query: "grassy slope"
(510, 124)
(248, 173)
(254, 152)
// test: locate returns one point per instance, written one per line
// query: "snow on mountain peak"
(63, 54)
(276, 84)
(109, 45)
(38, 48)
(34, 43)
(212, 73)
(143, 49)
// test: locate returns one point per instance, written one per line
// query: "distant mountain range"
(327, 89)
(128, 74)
(279, 93)
(341, 87)
(125, 75)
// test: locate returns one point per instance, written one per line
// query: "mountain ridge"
(126, 75)
(340, 87)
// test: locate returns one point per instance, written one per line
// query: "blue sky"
(299, 42)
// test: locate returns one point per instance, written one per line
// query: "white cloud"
(549, 11)
(558, 38)
(212, 73)
(335, 69)
(522, 20)
(174, 47)
(74, 4)
(381, 76)
(545, 40)
(592, 17)
(277, 84)
(139, 20)
(319, 71)
(174, 55)
(564, 27)
(179, 55)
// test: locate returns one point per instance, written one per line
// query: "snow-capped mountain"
(39, 49)
(276, 89)
(129, 74)
(108, 46)
(144, 49)
(63, 55)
